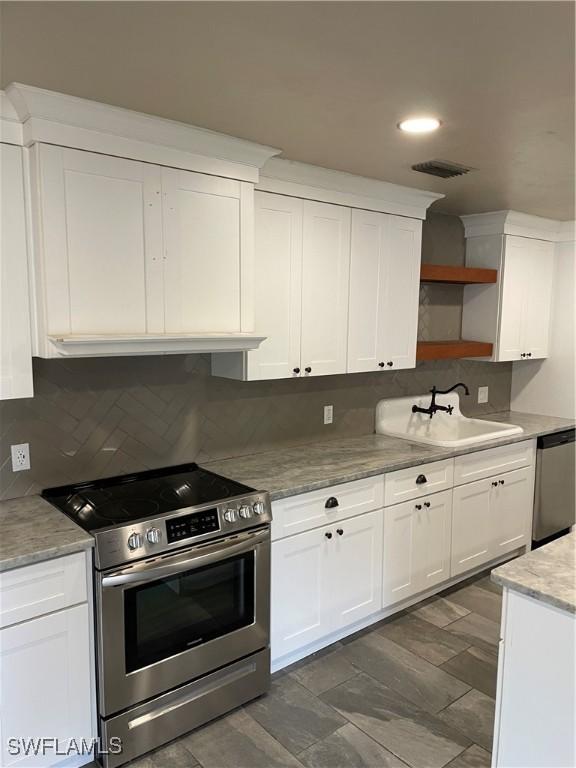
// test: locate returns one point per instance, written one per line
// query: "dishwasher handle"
(556, 438)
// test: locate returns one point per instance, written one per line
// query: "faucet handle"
(449, 410)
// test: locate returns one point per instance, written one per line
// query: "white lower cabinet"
(490, 518)
(298, 609)
(45, 680)
(324, 581)
(353, 553)
(355, 576)
(416, 546)
(46, 663)
(471, 525)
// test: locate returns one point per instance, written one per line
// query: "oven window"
(170, 615)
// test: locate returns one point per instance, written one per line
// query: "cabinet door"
(325, 278)
(369, 254)
(15, 347)
(298, 612)
(512, 510)
(208, 266)
(399, 560)
(472, 521)
(539, 267)
(101, 254)
(512, 300)
(355, 577)
(432, 540)
(278, 286)
(45, 682)
(402, 286)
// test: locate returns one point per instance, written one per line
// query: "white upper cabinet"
(208, 258)
(384, 289)
(337, 274)
(539, 281)
(402, 292)
(302, 273)
(325, 276)
(514, 313)
(143, 229)
(278, 286)
(131, 249)
(528, 272)
(100, 251)
(15, 345)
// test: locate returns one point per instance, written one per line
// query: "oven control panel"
(195, 524)
(122, 544)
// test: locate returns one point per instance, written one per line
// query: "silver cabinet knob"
(230, 516)
(153, 535)
(135, 541)
(258, 508)
(245, 511)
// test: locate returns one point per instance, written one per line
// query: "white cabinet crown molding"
(10, 125)
(57, 118)
(516, 223)
(286, 177)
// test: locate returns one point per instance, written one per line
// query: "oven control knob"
(153, 535)
(135, 541)
(258, 508)
(230, 516)
(245, 511)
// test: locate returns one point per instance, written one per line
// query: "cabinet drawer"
(414, 482)
(494, 461)
(34, 590)
(328, 505)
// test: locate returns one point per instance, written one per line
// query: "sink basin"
(394, 417)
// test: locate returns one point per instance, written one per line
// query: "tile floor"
(416, 690)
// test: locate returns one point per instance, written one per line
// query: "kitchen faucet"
(433, 407)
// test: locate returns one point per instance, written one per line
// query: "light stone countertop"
(32, 530)
(548, 574)
(308, 467)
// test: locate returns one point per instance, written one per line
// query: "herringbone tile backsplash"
(96, 417)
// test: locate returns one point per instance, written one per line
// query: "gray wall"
(96, 417)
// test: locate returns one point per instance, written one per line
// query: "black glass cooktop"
(119, 500)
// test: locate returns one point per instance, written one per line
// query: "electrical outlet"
(328, 414)
(482, 394)
(20, 457)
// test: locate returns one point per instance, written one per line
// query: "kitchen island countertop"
(547, 574)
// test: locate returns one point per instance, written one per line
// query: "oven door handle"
(145, 572)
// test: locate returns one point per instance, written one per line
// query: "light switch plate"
(328, 414)
(482, 394)
(20, 457)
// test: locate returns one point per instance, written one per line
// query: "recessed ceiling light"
(419, 125)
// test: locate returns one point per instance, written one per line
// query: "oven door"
(169, 620)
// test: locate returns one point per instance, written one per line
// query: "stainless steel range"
(182, 583)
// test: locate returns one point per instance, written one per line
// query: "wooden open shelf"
(444, 350)
(443, 273)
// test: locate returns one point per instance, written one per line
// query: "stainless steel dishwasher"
(554, 492)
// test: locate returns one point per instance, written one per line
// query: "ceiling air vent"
(441, 168)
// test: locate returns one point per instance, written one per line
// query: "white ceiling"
(327, 82)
